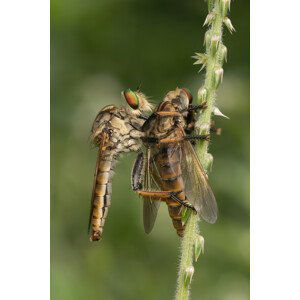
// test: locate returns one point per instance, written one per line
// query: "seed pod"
(202, 94)
(209, 19)
(223, 53)
(185, 215)
(218, 76)
(228, 24)
(207, 38)
(198, 246)
(201, 58)
(209, 161)
(188, 275)
(217, 112)
(214, 44)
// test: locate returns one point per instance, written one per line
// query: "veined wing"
(197, 188)
(150, 205)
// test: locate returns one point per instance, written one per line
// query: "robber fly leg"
(150, 140)
(168, 113)
(155, 140)
(136, 173)
(161, 195)
(174, 197)
(205, 137)
(195, 108)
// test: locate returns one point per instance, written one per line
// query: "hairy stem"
(187, 257)
(213, 58)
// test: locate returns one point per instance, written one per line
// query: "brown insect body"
(167, 158)
(172, 171)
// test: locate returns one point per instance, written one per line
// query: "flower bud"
(209, 159)
(202, 94)
(188, 275)
(183, 212)
(203, 128)
(201, 59)
(207, 38)
(198, 246)
(229, 25)
(185, 215)
(217, 112)
(214, 44)
(218, 76)
(223, 53)
(209, 19)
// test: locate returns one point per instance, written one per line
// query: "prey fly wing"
(150, 205)
(197, 188)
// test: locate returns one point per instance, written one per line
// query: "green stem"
(187, 255)
(213, 62)
(213, 59)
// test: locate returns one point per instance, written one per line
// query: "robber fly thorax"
(169, 169)
(114, 131)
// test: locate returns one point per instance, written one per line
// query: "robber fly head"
(137, 101)
(181, 98)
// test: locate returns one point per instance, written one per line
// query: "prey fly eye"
(131, 98)
(189, 95)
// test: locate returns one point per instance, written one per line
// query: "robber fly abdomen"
(102, 193)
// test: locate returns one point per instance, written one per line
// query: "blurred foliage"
(99, 48)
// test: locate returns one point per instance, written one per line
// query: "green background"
(99, 48)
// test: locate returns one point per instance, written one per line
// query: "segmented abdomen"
(168, 161)
(101, 194)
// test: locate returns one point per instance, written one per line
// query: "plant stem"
(187, 255)
(213, 59)
(212, 63)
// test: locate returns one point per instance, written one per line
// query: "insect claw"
(207, 138)
(204, 105)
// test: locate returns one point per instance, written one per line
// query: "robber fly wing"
(150, 205)
(197, 188)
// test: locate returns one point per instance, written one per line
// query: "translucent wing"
(197, 188)
(150, 205)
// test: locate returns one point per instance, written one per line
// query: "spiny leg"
(205, 137)
(156, 140)
(194, 108)
(162, 195)
(136, 174)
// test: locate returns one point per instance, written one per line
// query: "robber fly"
(114, 131)
(169, 169)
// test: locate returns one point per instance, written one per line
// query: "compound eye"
(189, 95)
(131, 98)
